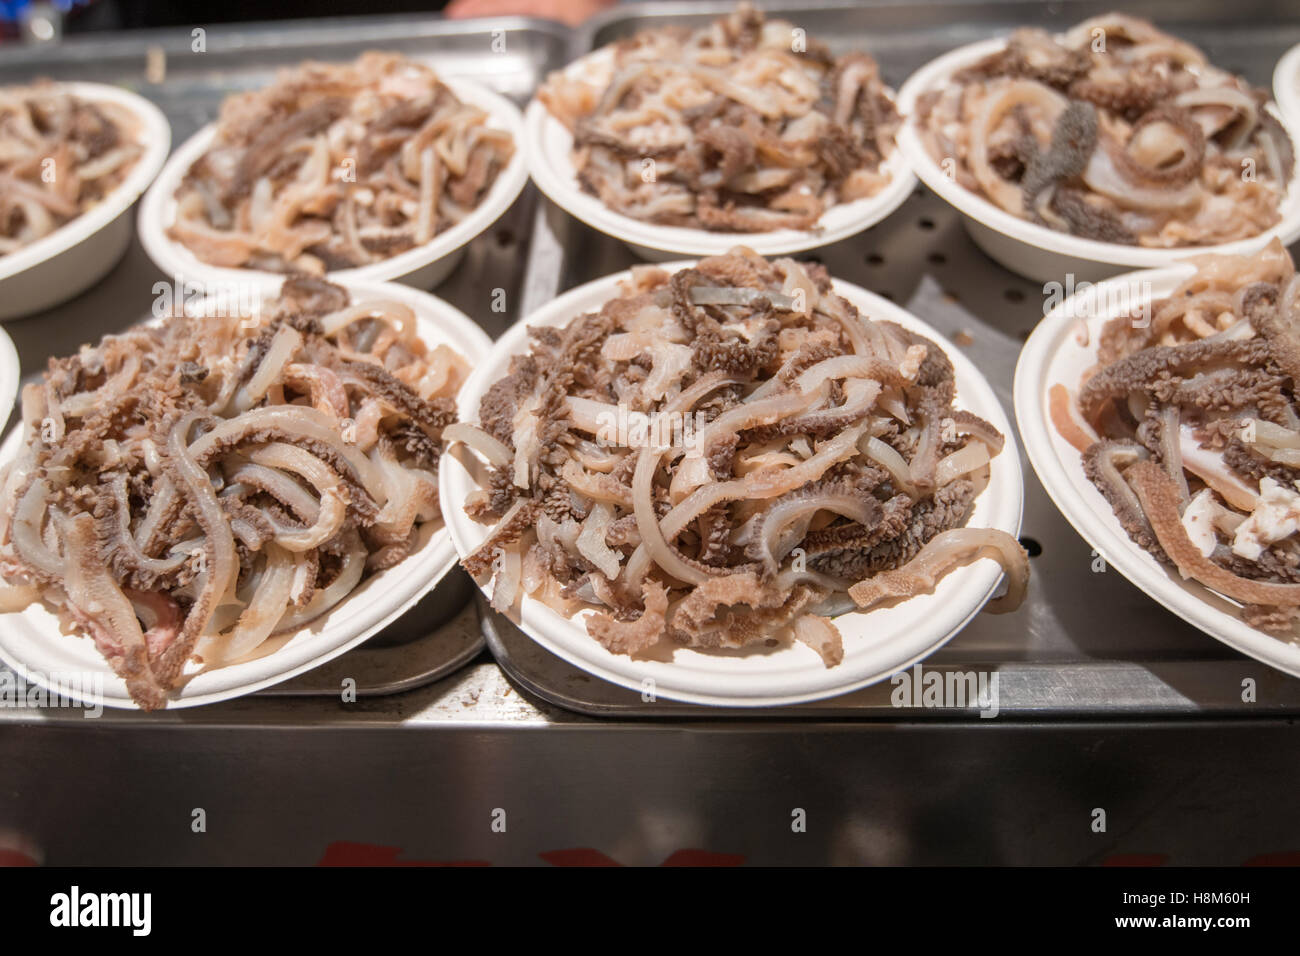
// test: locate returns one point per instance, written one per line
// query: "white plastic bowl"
(876, 644)
(10, 375)
(422, 267)
(1286, 87)
(75, 256)
(33, 646)
(1025, 247)
(1053, 355)
(550, 160)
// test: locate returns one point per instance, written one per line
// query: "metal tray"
(511, 55)
(1086, 642)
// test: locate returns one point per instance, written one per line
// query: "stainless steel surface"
(472, 754)
(187, 73)
(1086, 641)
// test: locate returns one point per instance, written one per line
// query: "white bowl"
(33, 646)
(1025, 247)
(876, 644)
(10, 375)
(550, 161)
(78, 254)
(1286, 87)
(422, 267)
(1053, 355)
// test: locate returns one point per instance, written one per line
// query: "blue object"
(11, 10)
